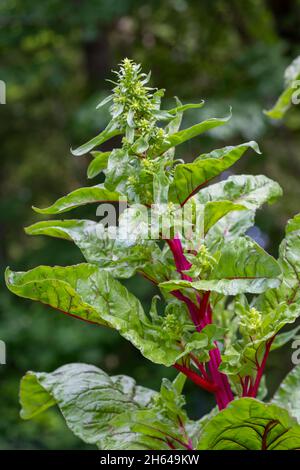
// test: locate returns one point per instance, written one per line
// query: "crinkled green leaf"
(285, 300)
(98, 164)
(165, 421)
(111, 412)
(283, 104)
(216, 210)
(79, 197)
(244, 260)
(88, 398)
(258, 333)
(284, 101)
(190, 177)
(250, 191)
(247, 424)
(293, 224)
(288, 393)
(117, 256)
(243, 266)
(91, 294)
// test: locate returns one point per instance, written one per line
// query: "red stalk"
(201, 316)
(200, 366)
(203, 383)
(254, 389)
(181, 263)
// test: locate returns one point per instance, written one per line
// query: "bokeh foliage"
(55, 58)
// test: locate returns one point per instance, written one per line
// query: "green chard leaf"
(248, 424)
(166, 421)
(293, 224)
(80, 197)
(243, 266)
(87, 292)
(196, 273)
(116, 255)
(111, 412)
(249, 191)
(89, 400)
(190, 177)
(214, 211)
(284, 302)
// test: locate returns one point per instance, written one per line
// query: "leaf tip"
(39, 211)
(7, 274)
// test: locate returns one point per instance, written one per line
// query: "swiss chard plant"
(221, 300)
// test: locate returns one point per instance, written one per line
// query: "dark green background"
(55, 56)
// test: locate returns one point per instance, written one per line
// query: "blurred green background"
(55, 56)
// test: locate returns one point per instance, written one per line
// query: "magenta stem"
(202, 316)
(253, 390)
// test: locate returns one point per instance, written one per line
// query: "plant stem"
(201, 382)
(254, 389)
(201, 316)
(181, 263)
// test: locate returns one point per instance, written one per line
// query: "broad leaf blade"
(247, 424)
(216, 210)
(285, 300)
(88, 398)
(243, 266)
(68, 289)
(79, 197)
(250, 191)
(117, 256)
(91, 294)
(190, 177)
